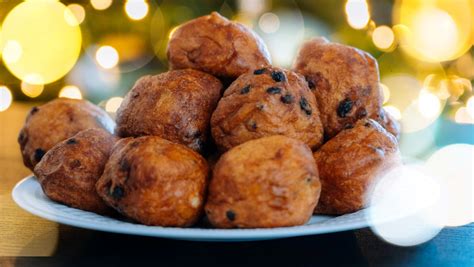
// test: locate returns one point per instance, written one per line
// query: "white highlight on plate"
(453, 166)
(405, 206)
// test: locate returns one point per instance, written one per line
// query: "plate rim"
(192, 234)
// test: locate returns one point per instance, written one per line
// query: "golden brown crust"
(155, 182)
(217, 46)
(69, 171)
(175, 105)
(350, 162)
(267, 182)
(55, 121)
(345, 81)
(266, 102)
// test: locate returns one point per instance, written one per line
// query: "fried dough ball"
(217, 46)
(55, 121)
(267, 182)
(351, 162)
(268, 101)
(155, 181)
(69, 171)
(175, 105)
(345, 81)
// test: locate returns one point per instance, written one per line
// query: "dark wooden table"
(26, 240)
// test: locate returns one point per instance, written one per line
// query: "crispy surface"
(69, 171)
(175, 105)
(268, 182)
(55, 121)
(155, 182)
(350, 162)
(345, 81)
(217, 46)
(272, 102)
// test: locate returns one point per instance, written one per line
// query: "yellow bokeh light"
(383, 37)
(107, 57)
(12, 52)
(31, 90)
(394, 111)
(357, 13)
(434, 31)
(136, 9)
(101, 4)
(36, 38)
(113, 104)
(385, 92)
(6, 98)
(428, 104)
(78, 14)
(70, 91)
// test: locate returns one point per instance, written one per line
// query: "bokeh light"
(6, 98)
(31, 90)
(78, 12)
(385, 92)
(470, 106)
(107, 57)
(70, 91)
(269, 23)
(383, 37)
(405, 206)
(136, 9)
(113, 104)
(434, 30)
(101, 4)
(357, 13)
(428, 104)
(453, 166)
(12, 52)
(463, 116)
(33, 33)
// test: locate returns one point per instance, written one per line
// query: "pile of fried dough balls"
(271, 149)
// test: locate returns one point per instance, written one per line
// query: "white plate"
(29, 196)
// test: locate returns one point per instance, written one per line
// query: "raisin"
(259, 71)
(305, 106)
(260, 106)
(34, 110)
(71, 141)
(252, 125)
(230, 215)
(245, 90)
(278, 76)
(311, 84)
(348, 126)
(117, 192)
(287, 99)
(273, 90)
(39, 153)
(135, 94)
(344, 107)
(308, 179)
(367, 124)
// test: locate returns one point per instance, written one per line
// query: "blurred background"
(97, 49)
